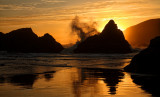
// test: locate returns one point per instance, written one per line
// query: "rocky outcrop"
(111, 40)
(140, 35)
(25, 40)
(48, 44)
(148, 60)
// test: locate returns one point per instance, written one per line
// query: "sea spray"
(82, 30)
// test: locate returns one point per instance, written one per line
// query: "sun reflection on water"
(78, 82)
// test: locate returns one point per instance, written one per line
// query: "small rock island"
(26, 41)
(110, 40)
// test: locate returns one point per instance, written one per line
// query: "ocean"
(68, 75)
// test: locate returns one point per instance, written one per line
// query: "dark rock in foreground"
(148, 60)
(111, 40)
(25, 40)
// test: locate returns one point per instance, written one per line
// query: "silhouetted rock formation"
(1, 34)
(49, 44)
(148, 60)
(140, 35)
(111, 40)
(25, 40)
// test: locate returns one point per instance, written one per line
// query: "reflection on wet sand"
(110, 76)
(92, 76)
(148, 83)
(71, 82)
(25, 80)
(2, 79)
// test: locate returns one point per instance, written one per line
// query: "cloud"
(53, 1)
(60, 10)
(28, 4)
(15, 7)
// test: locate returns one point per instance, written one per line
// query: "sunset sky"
(54, 16)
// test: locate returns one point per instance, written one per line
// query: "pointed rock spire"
(110, 25)
(111, 40)
(110, 29)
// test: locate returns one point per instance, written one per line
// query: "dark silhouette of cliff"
(25, 40)
(148, 60)
(140, 35)
(111, 40)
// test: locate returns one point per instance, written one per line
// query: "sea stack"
(148, 60)
(139, 35)
(26, 41)
(110, 40)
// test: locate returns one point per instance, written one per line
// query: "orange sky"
(54, 16)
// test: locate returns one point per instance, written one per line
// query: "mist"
(83, 30)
